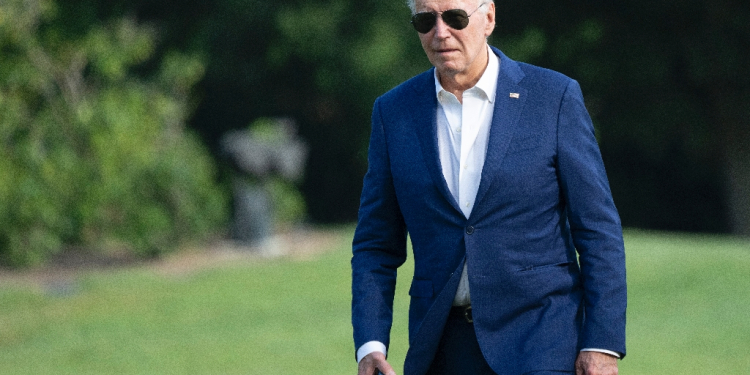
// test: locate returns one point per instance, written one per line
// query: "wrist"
(370, 347)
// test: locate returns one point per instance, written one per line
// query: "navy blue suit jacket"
(543, 243)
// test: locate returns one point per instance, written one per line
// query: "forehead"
(442, 5)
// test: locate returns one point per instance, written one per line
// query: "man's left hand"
(596, 363)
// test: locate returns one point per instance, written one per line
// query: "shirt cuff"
(369, 347)
(605, 351)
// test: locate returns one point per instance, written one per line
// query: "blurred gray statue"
(269, 148)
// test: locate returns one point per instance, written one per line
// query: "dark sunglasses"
(455, 18)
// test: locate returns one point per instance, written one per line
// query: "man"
(492, 168)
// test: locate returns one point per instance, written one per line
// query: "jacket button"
(469, 230)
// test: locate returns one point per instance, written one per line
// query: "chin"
(448, 68)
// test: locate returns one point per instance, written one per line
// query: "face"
(452, 51)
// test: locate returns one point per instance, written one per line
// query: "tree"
(92, 154)
(665, 81)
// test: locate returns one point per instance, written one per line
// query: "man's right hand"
(374, 362)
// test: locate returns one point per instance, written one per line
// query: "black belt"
(462, 312)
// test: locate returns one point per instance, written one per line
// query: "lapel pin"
(515, 95)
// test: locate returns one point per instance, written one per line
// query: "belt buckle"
(467, 314)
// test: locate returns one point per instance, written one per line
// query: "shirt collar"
(487, 83)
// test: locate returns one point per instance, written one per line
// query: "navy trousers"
(458, 352)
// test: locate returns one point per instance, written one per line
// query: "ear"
(490, 25)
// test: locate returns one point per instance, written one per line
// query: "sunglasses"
(455, 18)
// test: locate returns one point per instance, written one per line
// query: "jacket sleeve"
(379, 245)
(595, 226)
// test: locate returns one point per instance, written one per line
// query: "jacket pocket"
(545, 266)
(421, 288)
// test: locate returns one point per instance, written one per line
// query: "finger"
(386, 368)
(579, 367)
(367, 367)
(368, 371)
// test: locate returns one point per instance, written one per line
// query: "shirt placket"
(467, 185)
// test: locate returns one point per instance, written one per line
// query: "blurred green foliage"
(91, 153)
(288, 204)
(667, 83)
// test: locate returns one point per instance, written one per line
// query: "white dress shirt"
(462, 133)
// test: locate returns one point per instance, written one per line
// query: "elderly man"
(492, 168)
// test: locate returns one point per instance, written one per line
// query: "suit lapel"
(505, 117)
(424, 116)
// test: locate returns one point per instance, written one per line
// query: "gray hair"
(413, 4)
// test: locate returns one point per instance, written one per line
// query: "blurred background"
(114, 115)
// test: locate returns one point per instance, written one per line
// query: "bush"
(90, 153)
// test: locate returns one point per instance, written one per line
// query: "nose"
(441, 29)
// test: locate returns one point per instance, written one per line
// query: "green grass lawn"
(689, 313)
